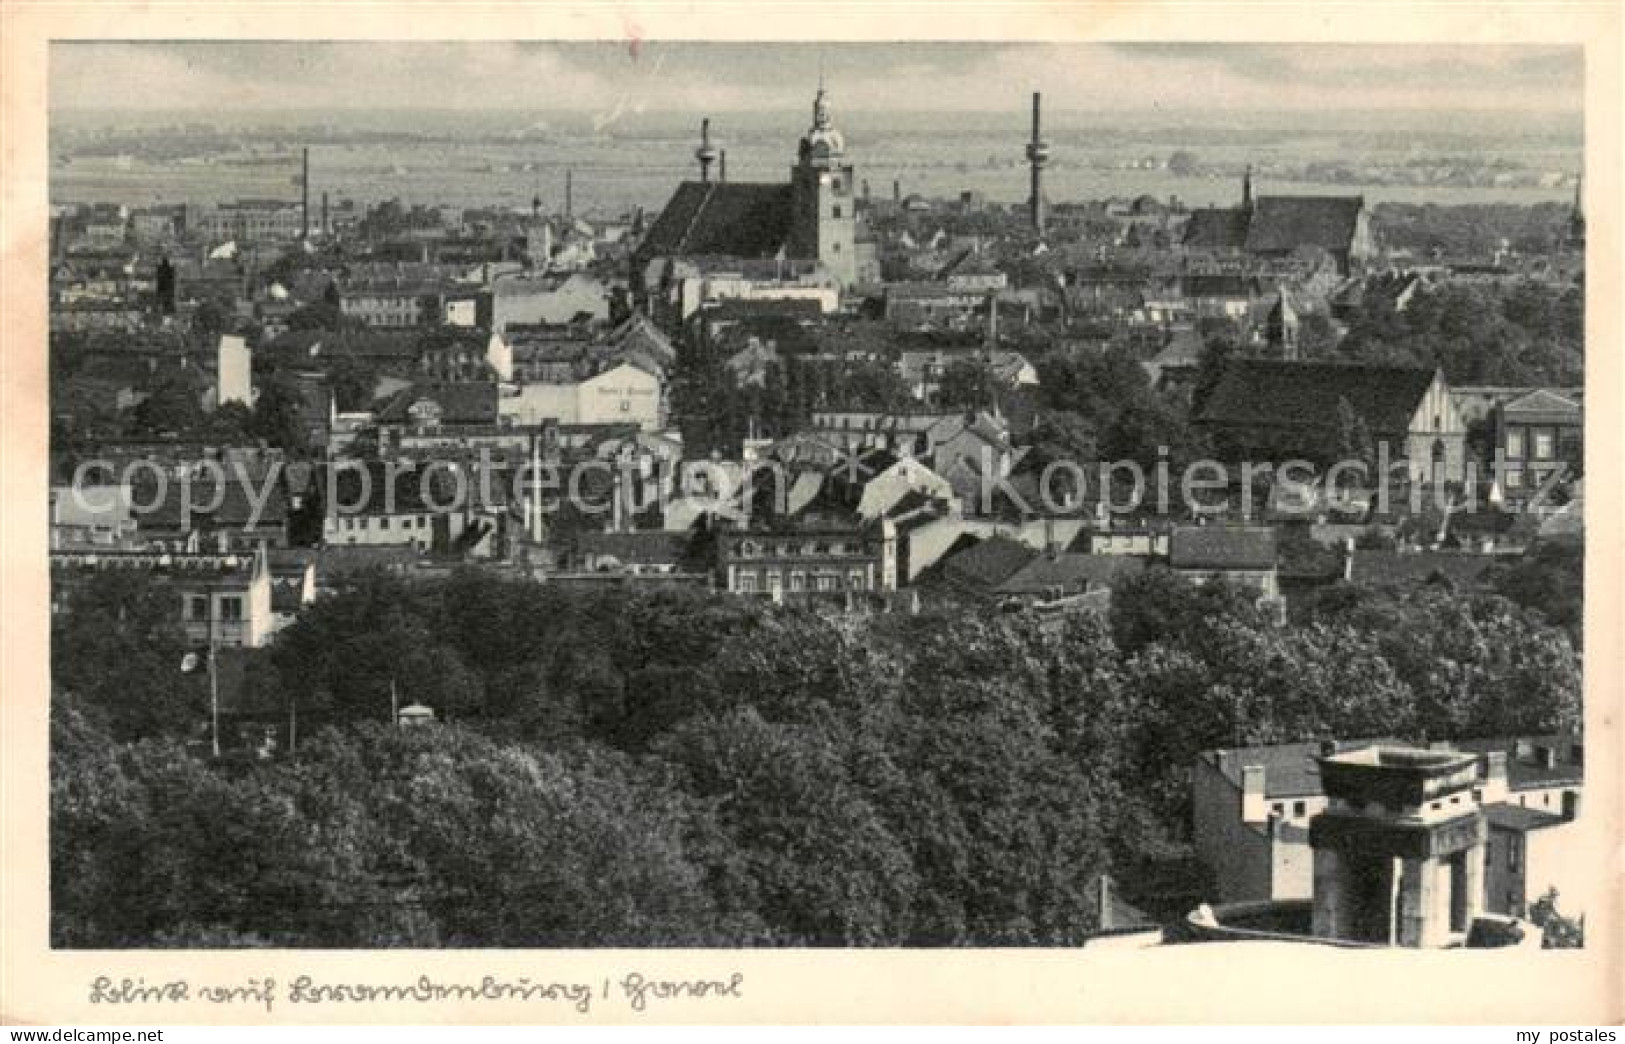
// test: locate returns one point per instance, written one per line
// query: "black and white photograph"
(704, 494)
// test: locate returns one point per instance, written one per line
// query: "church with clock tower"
(811, 219)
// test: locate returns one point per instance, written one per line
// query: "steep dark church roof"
(729, 218)
(1280, 393)
(1283, 223)
(1278, 224)
(1217, 229)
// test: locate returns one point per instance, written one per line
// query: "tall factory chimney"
(324, 214)
(706, 153)
(304, 195)
(722, 165)
(1037, 158)
(569, 193)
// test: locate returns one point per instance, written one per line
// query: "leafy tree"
(173, 406)
(969, 384)
(824, 868)
(118, 649)
(1549, 579)
(278, 416)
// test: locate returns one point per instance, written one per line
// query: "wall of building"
(1292, 862)
(1238, 855)
(1263, 580)
(538, 402)
(235, 374)
(623, 395)
(1558, 857)
(405, 529)
(521, 301)
(241, 616)
(1437, 421)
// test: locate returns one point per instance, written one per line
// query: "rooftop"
(1222, 547)
(1303, 394)
(732, 218)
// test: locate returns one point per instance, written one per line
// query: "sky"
(609, 78)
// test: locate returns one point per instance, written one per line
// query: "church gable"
(722, 219)
(1281, 224)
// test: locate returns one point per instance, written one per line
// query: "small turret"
(707, 152)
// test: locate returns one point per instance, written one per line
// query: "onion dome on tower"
(823, 142)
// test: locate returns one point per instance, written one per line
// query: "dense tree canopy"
(683, 768)
(1519, 333)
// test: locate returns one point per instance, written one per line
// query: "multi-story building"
(810, 560)
(254, 220)
(223, 599)
(620, 394)
(1242, 555)
(391, 302)
(1253, 807)
(1536, 435)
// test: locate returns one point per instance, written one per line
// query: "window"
(836, 247)
(197, 607)
(1277, 808)
(747, 583)
(1513, 843)
(231, 608)
(798, 581)
(1515, 444)
(1298, 809)
(1544, 445)
(856, 580)
(836, 211)
(383, 523)
(826, 581)
(774, 582)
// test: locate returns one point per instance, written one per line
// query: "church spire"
(1247, 187)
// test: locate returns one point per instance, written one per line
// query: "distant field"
(613, 175)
